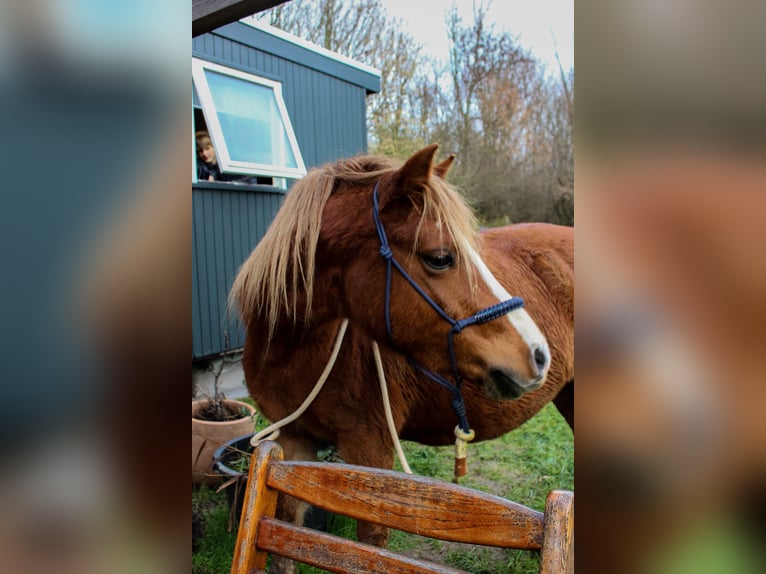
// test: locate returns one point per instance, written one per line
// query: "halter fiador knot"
(485, 315)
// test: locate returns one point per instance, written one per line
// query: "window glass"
(250, 121)
(247, 121)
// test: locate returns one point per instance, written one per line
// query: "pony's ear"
(416, 171)
(442, 168)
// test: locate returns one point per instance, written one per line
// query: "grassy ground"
(523, 466)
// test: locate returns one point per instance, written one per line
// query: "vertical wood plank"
(259, 501)
(557, 555)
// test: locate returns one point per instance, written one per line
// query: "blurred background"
(670, 211)
(95, 243)
(670, 214)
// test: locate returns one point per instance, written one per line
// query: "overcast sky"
(535, 22)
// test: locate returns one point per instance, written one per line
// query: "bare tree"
(350, 28)
(492, 88)
(361, 29)
(511, 126)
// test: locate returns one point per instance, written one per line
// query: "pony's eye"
(439, 261)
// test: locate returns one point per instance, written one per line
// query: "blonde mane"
(283, 263)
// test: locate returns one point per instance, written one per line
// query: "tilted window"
(247, 121)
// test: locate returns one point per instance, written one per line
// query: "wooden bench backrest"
(416, 504)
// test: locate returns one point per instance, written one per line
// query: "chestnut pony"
(394, 249)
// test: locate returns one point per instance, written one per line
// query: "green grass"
(524, 465)
(216, 547)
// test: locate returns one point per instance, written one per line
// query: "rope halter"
(478, 318)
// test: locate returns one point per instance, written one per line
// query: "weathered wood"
(339, 554)
(258, 501)
(207, 15)
(416, 504)
(557, 555)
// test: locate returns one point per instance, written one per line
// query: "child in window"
(208, 168)
(207, 164)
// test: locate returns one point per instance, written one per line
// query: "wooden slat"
(338, 554)
(207, 15)
(415, 504)
(259, 501)
(557, 556)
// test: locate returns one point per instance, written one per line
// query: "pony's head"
(323, 259)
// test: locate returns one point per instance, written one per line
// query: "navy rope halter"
(483, 316)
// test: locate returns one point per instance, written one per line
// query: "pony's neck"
(325, 308)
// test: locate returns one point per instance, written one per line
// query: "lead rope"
(461, 452)
(271, 432)
(461, 438)
(387, 409)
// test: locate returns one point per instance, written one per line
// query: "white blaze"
(519, 318)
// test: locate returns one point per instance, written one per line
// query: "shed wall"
(328, 116)
(328, 113)
(226, 225)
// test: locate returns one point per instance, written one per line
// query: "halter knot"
(458, 405)
(385, 252)
(458, 326)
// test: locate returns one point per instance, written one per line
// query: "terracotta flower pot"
(207, 436)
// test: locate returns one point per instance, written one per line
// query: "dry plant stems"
(217, 394)
(215, 408)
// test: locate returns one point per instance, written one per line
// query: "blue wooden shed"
(274, 106)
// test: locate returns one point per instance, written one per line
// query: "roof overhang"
(207, 15)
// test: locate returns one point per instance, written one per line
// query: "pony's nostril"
(541, 358)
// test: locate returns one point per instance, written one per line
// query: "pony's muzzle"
(503, 384)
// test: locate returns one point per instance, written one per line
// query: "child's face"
(206, 152)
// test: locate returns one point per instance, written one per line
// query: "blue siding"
(264, 42)
(326, 101)
(226, 225)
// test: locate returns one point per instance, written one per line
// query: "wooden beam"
(207, 15)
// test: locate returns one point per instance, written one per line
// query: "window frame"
(207, 105)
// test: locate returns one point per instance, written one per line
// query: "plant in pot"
(215, 421)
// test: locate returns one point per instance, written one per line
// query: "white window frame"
(216, 133)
